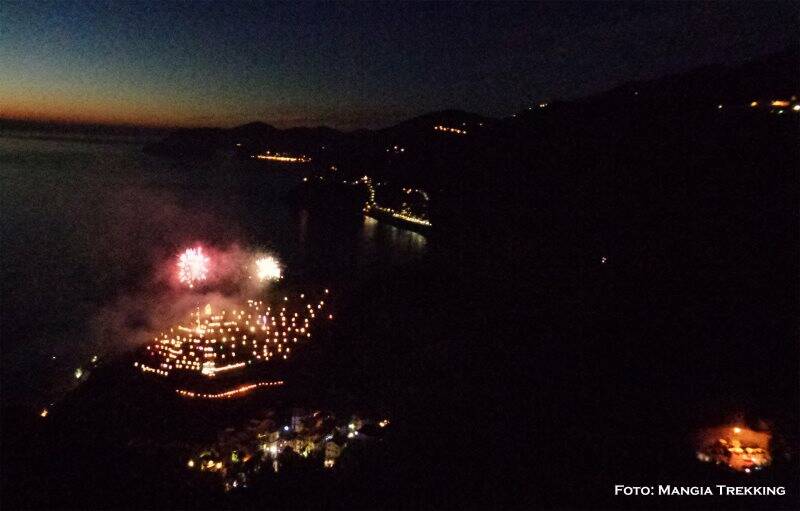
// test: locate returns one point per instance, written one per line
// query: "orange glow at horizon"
(50, 111)
(87, 103)
(107, 101)
(85, 110)
(70, 117)
(71, 104)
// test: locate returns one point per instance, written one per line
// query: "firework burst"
(192, 266)
(268, 268)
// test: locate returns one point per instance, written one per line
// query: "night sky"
(351, 65)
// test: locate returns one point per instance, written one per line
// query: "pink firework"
(192, 266)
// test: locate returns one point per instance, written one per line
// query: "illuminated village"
(316, 437)
(282, 158)
(778, 106)
(405, 213)
(739, 448)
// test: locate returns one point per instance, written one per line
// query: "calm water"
(86, 226)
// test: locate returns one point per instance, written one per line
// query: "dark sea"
(88, 223)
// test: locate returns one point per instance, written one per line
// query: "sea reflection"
(303, 226)
(381, 232)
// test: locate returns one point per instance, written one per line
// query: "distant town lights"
(283, 158)
(447, 129)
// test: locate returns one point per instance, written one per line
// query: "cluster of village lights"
(404, 215)
(739, 448)
(263, 440)
(775, 105)
(448, 129)
(282, 158)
